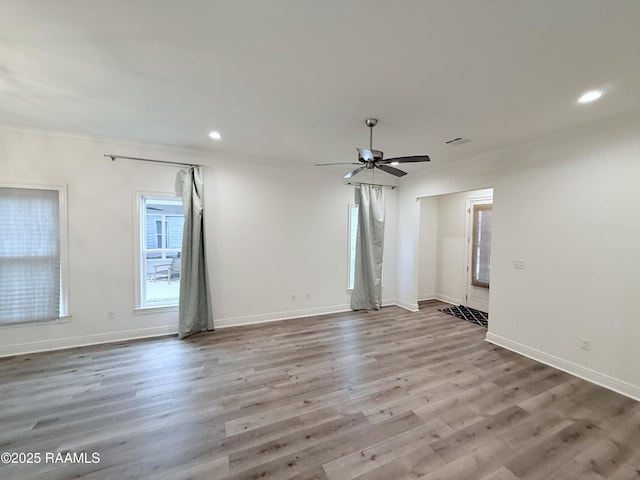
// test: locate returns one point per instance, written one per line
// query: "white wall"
(272, 230)
(279, 231)
(428, 248)
(450, 263)
(567, 206)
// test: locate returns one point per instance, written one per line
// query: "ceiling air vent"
(457, 141)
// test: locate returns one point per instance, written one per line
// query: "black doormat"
(469, 314)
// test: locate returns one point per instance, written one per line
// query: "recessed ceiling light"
(395, 163)
(590, 96)
(215, 135)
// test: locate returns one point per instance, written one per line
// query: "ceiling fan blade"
(411, 159)
(325, 164)
(368, 155)
(391, 170)
(353, 172)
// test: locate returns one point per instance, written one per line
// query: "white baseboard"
(426, 296)
(274, 317)
(85, 340)
(293, 314)
(412, 307)
(447, 299)
(606, 381)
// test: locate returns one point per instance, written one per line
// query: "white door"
(479, 215)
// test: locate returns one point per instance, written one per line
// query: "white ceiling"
(293, 80)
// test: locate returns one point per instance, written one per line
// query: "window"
(481, 247)
(352, 235)
(161, 224)
(33, 265)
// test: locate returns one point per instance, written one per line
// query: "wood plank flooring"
(384, 395)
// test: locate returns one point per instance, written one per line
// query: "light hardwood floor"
(383, 395)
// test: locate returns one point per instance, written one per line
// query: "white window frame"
(139, 259)
(63, 315)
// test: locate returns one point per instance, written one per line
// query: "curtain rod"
(392, 187)
(113, 159)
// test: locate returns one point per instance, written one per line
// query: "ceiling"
(294, 80)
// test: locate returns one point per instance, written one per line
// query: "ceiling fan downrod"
(371, 122)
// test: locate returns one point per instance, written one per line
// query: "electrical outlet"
(111, 314)
(519, 264)
(293, 297)
(308, 296)
(585, 344)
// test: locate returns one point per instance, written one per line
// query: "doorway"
(445, 260)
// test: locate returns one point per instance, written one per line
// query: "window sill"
(158, 309)
(35, 323)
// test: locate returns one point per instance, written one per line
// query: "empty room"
(326, 240)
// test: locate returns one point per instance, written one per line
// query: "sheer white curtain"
(367, 285)
(29, 255)
(195, 312)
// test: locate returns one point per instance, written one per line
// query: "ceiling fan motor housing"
(370, 156)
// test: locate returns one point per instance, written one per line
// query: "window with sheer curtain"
(31, 233)
(481, 247)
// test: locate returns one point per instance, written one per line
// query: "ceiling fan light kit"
(369, 158)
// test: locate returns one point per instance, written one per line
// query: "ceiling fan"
(370, 158)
